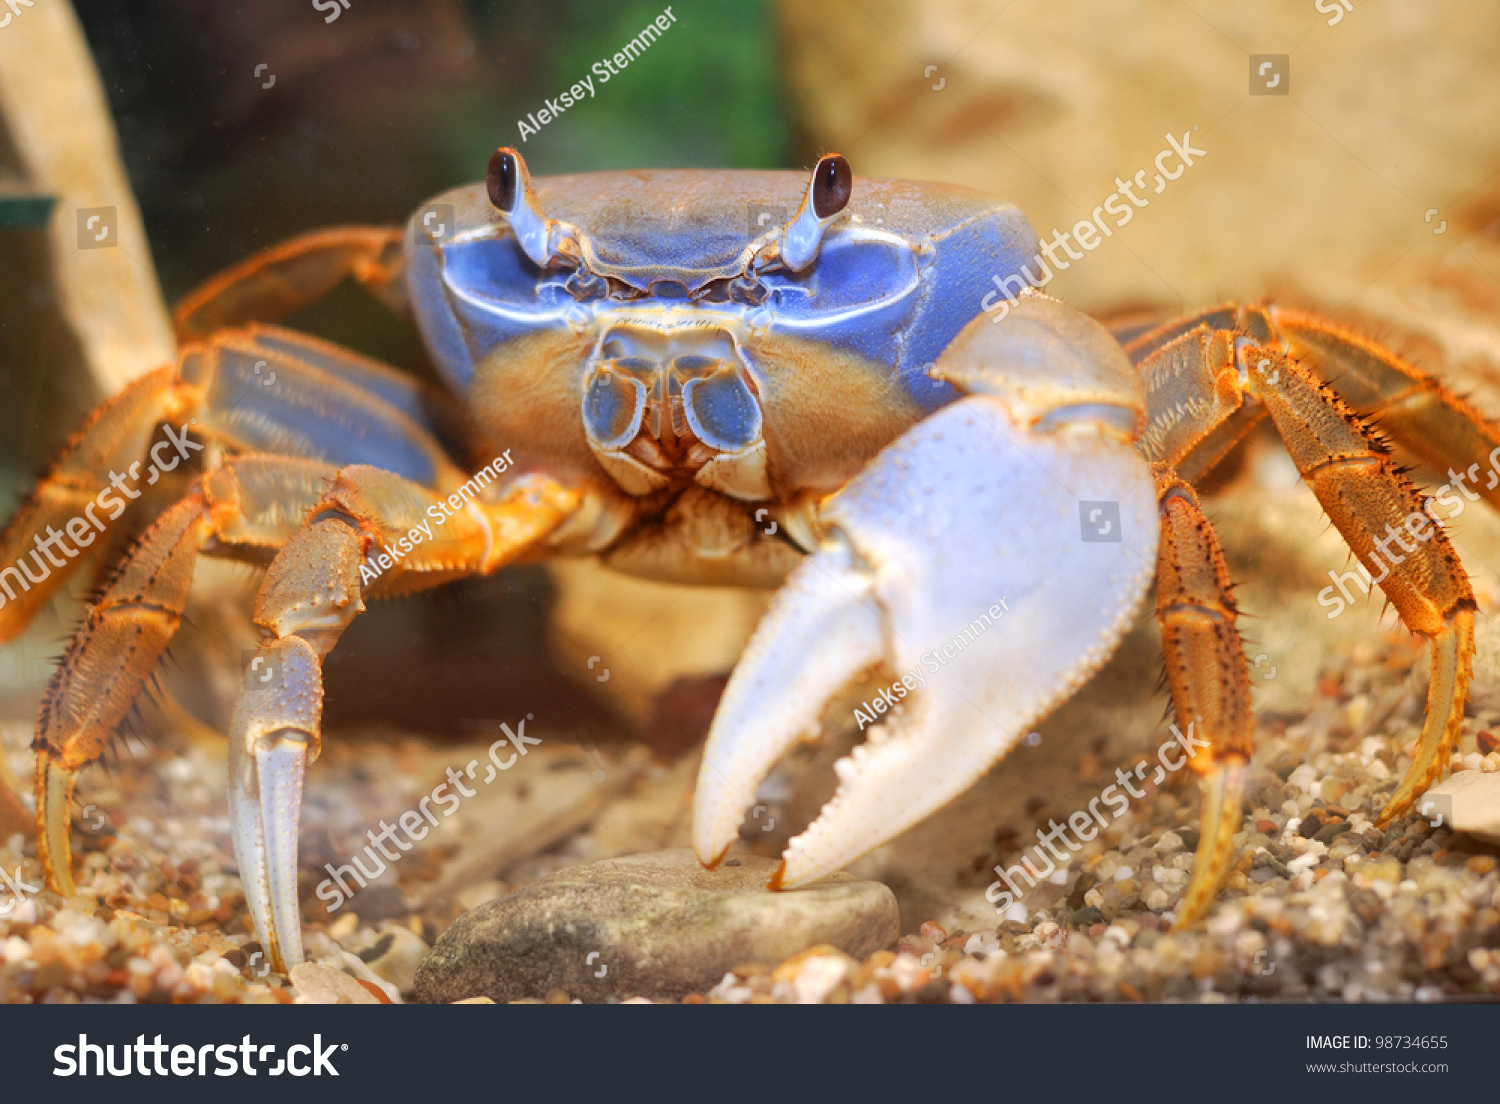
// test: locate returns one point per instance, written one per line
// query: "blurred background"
(1351, 161)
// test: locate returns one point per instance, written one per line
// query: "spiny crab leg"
(1205, 665)
(941, 527)
(313, 590)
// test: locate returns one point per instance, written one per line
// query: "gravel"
(1320, 905)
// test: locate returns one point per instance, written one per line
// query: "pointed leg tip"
(713, 862)
(54, 804)
(1222, 787)
(1398, 806)
(778, 878)
(285, 960)
(266, 777)
(1190, 914)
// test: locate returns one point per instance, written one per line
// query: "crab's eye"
(831, 186)
(502, 178)
(827, 194)
(542, 239)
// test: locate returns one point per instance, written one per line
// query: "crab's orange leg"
(1375, 507)
(1125, 326)
(256, 390)
(366, 535)
(293, 274)
(1199, 379)
(1144, 345)
(1193, 438)
(1415, 409)
(261, 392)
(1205, 664)
(112, 442)
(250, 506)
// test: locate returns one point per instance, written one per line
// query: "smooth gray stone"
(656, 925)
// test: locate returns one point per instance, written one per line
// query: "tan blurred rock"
(58, 120)
(319, 984)
(1390, 112)
(1476, 802)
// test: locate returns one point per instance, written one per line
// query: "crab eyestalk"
(827, 194)
(509, 184)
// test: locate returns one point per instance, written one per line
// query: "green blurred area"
(705, 93)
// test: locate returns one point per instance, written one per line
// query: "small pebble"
(319, 984)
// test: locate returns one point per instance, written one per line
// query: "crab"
(639, 372)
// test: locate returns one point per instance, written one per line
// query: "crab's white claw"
(822, 632)
(961, 555)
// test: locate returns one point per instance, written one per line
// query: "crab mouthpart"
(660, 412)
